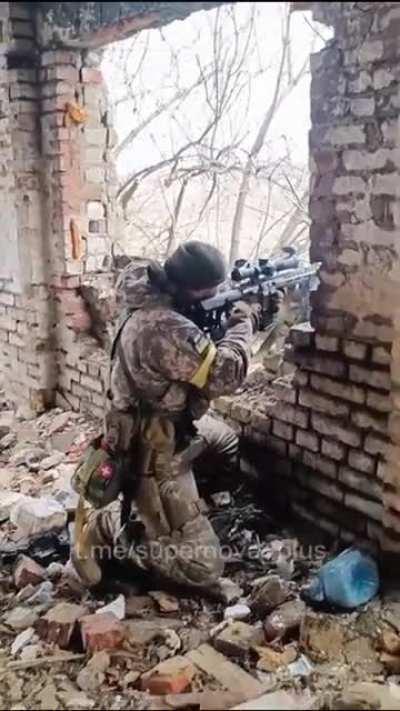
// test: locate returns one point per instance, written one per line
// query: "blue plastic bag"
(348, 581)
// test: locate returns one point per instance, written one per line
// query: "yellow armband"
(199, 379)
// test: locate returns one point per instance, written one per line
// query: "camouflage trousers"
(176, 542)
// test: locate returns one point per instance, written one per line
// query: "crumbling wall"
(25, 304)
(337, 429)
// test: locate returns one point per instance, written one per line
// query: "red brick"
(170, 677)
(283, 430)
(101, 631)
(91, 76)
(309, 440)
(28, 572)
(331, 428)
(374, 378)
(59, 624)
(333, 450)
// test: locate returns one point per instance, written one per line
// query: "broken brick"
(286, 619)
(237, 638)
(166, 603)
(59, 624)
(103, 631)
(28, 572)
(91, 76)
(272, 593)
(270, 660)
(169, 677)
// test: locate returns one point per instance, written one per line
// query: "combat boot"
(93, 545)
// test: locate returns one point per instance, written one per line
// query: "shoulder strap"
(118, 334)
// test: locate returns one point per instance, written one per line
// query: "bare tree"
(207, 170)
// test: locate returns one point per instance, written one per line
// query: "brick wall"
(321, 436)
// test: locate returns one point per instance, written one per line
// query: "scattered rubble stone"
(93, 674)
(37, 516)
(170, 677)
(140, 606)
(231, 676)
(55, 570)
(240, 611)
(52, 461)
(269, 595)
(285, 619)
(229, 591)
(322, 636)
(166, 603)
(27, 571)
(59, 422)
(102, 632)
(22, 617)
(59, 624)
(270, 660)
(142, 632)
(43, 596)
(117, 608)
(390, 642)
(8, 500)
(237, 638)
(22, 640)
(30, 456)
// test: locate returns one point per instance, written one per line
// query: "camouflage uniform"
(175, 370)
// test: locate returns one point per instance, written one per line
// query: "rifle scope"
(264, 267)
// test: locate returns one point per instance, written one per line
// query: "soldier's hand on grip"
(242, 311)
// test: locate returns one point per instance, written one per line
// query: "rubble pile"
(130, 647)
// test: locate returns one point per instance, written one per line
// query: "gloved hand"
(276, 300)
(242, 311)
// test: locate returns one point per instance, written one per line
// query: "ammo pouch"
(99, 477)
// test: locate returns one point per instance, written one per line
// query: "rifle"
(255, 282)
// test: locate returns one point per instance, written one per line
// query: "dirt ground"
(259, 646)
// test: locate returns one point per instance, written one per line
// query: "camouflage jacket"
(173, 366)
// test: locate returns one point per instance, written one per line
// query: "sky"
(191, 41)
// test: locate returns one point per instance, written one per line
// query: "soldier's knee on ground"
(222, 444)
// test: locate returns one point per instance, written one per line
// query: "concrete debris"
(166, 603)
(55, 570)
(117, 608)
(43, 596)
(8, 500)
(285, 620)
(279, 701)
(240, 611)
(59, 422)
(52, 461)
(34, 517)
(269, 595)
(7, 441)
(229, 591)
(237, 639)
(20, 618)
(323, 637)
(231, 676)
(23, 639)
(269, 660)
(367, 695)
(31, 457)
(254, 644)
